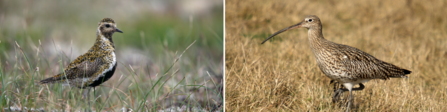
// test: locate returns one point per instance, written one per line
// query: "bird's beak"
(118, 30)
(283, 30)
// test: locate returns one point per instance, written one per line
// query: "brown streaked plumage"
(94, 67)
(342, 63)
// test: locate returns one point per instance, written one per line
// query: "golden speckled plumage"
(107, 20)
(97, 65)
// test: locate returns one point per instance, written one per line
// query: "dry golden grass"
(282, 74)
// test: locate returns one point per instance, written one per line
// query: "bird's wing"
(364, 66)
(85, 68)
(85, 65)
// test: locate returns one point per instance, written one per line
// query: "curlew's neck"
(316, 38)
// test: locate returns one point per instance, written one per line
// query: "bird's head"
(107, 27)
(311, 22)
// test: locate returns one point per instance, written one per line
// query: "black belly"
(104, 78)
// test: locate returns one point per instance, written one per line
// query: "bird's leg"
(336, 95)
(351, 96)
(339, 91)
(89, 97)
(349, 101)
(86, 95)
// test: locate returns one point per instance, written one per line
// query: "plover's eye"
(310, 20)
(107, 25)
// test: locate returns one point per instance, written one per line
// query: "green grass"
(164, 62)
(20, 89)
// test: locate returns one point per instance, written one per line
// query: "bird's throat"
(104, 41)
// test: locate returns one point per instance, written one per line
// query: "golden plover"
(94, 67)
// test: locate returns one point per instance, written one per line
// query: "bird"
(344, 64)
(94, 67)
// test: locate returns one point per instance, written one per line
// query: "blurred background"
(52, 33)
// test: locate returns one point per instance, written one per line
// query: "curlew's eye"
(107, 25)
(310, 20)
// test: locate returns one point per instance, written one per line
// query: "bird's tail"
(51, 79)
(393, 71)
(406, 72)
(403, 74)
(48, 80)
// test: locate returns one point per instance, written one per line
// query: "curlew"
(344, 64)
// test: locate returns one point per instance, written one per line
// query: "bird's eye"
(310, 20)
(107, 25)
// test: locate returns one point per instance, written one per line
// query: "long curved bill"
(283, 30)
